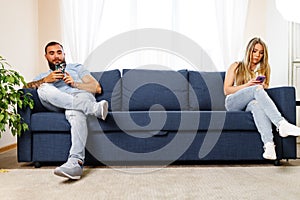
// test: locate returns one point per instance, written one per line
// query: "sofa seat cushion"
(178, 120)
(49, 121)
(143, 90)
(153, 121)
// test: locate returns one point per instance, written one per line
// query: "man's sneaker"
(103, 109)
(72, 169)
(285, 129)
(269, 153)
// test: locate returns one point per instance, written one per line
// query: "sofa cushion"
(155, 89)
(49, 121)
(202, 98)
(141, 121)
(111, 88)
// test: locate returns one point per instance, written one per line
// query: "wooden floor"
(8, 160)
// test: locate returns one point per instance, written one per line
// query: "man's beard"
(52, 66)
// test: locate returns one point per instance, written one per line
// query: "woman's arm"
(229, 87)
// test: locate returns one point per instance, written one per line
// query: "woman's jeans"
(263, 109)
(77, 106)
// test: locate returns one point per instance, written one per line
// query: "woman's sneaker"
(270, 152)
(72, 169)
(285, 129)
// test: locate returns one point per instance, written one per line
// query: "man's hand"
(54, 76)
(68, 79)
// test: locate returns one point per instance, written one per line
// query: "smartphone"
(261, 78)
(61, 66)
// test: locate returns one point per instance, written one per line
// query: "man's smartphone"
(260, 78)
(61, 67)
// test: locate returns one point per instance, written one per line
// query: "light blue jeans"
(263, 109)
(77, 106)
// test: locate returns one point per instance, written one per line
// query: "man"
(70, 87)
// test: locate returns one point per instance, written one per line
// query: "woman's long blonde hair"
(243, 71)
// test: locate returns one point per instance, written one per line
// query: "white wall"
(256, 20)
(277, 36)
(18, 41)
(265, 21)
(49, 28)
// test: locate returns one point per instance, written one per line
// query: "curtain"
(216, 26)
(231, 19)
(81, 22)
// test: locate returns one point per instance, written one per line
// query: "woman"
(245, 92)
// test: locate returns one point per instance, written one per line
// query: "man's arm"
(34, 84)
(89, 83)
(52, 77)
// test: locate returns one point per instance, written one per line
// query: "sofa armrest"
(25, 140)
(285, 100)
(38, 106)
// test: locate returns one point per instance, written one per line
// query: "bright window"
(217, 26)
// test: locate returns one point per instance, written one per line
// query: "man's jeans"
(264, 111)
(77, 106)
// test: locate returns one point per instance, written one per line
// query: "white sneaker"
(285, 129)
(103, 109)
(269, 153)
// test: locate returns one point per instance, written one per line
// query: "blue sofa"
(157, 117)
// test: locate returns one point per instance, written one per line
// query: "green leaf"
(11, 98)
(25, 126)
(1, 117)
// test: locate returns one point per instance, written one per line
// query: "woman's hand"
(253, 82)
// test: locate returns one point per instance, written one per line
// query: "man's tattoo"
(34, 84)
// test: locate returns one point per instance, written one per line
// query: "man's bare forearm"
(90, 87)
(35, 84)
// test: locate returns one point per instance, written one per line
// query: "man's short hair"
(52, 44)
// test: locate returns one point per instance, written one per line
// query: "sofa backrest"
(110, 82)
(206, 90)
(142, 90)
(154, 89)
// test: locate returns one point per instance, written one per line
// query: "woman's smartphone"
(261, 78)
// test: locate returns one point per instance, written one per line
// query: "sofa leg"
(277, 163)
(37, 164)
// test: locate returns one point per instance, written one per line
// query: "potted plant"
(12, 98)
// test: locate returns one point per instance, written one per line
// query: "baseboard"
(7, 148)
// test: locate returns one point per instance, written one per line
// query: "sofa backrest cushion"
(154, 90)
(206, 90)
(110, 82)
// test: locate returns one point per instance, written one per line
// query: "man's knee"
(42, 90)
(75, 115)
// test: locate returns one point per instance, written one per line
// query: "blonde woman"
(244, 86)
